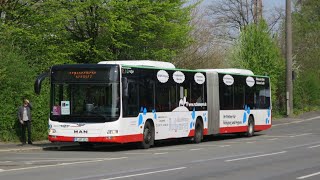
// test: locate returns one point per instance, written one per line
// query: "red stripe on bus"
(261, 127)
(191, 133)
(235, 129)
(110, 139)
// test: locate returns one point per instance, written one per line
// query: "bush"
(17, 79)
(306, 91)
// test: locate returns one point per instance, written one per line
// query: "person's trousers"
(26, 124)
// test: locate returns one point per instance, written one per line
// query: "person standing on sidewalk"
(24, 115)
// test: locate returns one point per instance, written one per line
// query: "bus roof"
(147, 63)
(231, 71)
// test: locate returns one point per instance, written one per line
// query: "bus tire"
(198, 132)
(148, 136)
(250, 130)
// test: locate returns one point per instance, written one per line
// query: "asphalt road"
(289, 150)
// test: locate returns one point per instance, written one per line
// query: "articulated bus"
(143, 101)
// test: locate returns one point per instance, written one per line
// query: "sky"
(267, 4)
(274, 3)
(268, 7)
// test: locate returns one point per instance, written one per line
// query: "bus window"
(130, 102)
(239, 95)
(226, 96)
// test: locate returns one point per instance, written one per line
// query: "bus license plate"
(77, 139)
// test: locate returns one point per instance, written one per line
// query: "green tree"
(257, 51)
(17, 79)
(35, 35)
(306, 50)
(58, 31)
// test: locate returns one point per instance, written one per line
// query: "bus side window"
(133, 108)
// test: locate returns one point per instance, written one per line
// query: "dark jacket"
(20, 112)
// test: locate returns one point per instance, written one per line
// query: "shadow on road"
(102, 147)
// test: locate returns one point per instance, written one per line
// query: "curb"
(21, 149)
(39, 147)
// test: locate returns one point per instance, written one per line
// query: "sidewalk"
(46, 145)
(304, 116)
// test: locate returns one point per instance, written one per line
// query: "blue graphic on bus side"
(205, 117)
(140, 120)
(193, 115)
(246, 113)
(144, 111)
(268, 118)
(154, 114)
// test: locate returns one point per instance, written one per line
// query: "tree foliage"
(207, 49)
(36, 34)
(257, 51)
(16, 84)
(91, 31)
(306, 50)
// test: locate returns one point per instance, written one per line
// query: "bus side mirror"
(37, 83)
(125, 86)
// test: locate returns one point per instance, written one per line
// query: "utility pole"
(257, 11)
(289, 86)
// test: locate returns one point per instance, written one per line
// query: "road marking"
(273, 139)
(142, 174)
(196, 149)
(63, 164)
(298, 135)
(295, 122)
(136, 153)
(208, 145)
(160, 153)
(275, 136)
(66, 159)
(307, 176)
(250, 142)
(223, 157)
(70, 159)
(314, 146)
(302, 145)
(233, 142)
(262, 155)
(224, 145)
(166, 149)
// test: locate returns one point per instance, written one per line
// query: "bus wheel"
(250, 131)
(198, 132)
(148, 136)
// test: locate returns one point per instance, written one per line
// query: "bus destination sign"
(83, 74)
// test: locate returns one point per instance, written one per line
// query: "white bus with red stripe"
(144, 101)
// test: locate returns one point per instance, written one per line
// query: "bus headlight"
(52, 131)
(112, 132)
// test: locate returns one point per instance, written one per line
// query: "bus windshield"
(73, 102)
